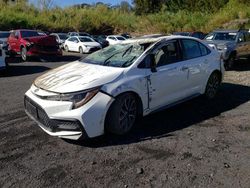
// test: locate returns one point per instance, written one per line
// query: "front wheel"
(122, 114)
(80, 50)
(230, 62)
(213, 85)
(24, 54)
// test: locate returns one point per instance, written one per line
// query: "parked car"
(81, 44)
(3, 64)
(101, 39)
(29, 43)
(196, 34)
(232, 44)
(83, 34)
(3, 38)
(60, 38)
(115, 39)
(109, 89)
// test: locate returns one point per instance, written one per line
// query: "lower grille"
(94, 49)
(52, 125)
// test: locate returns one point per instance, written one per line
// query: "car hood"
(93, 44)
(42, 40)
(77, 76)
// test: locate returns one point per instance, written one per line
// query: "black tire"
(229, 64)
(122, 114)
(80, 50)
(66, 48)
(213, 85)
(24, 53)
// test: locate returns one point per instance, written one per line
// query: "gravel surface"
(196, 144)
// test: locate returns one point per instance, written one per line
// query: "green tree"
(147, 6)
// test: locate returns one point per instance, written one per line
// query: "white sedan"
(81, 44)
(109, 89)
(115, 39)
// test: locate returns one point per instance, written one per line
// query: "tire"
(213, 85)
(80, 50)
(229, 64)
(122, 114)
(66, 48)
(24, 53)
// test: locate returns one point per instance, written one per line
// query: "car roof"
(114, 36)
(156, 39)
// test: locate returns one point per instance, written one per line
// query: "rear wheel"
(24, 53)
(122, 114)
(213, 85)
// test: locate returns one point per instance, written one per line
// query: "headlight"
(78, 99)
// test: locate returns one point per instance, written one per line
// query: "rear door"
(197, 62)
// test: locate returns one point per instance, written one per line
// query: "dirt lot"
(196, 144)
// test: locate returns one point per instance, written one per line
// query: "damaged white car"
(109, 89)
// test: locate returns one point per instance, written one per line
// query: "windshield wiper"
(123, 65)
(129, 49)
(106, 62)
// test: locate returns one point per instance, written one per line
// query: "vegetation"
(146, 16)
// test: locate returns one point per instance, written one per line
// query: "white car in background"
(3, 65)
(115, 39)
(81, 44)
(109, 89)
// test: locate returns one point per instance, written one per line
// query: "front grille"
(52, 125)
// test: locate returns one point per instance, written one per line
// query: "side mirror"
(152, 63)
(240, 40)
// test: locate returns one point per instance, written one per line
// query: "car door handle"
(184, 68)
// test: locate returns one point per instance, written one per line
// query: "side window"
(247, 37)
(17, 34)
(191, 49)
(70, 39)
(204, 50)
(167, 54)
(241, 38)
(12, 34)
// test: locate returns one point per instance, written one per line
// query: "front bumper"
(57, 118)
(43, 51)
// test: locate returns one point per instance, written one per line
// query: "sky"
(63, 3)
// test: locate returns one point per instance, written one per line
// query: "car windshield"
(4, 34)
(120, 38)
(86, 39)
(63, 36)
(120, 55)
(222, 36)
(29, 34)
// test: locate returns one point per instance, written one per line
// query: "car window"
(112, 38)
(4, 34)
(191, 49)
(86, 39)
(120, 38)
(71, 39)
(241, 38)
(25, 34)
(247, 37)
(17, 34)
(204, 49)
(167, 54)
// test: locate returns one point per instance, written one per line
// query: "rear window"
(120, 38)
(25, 34)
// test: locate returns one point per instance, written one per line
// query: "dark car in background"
(126, 35)
(232, 44)
(30, 43)
(60, 38)
(101, 39)
(3, 38)
(196, 34)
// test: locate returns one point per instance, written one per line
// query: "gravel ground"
(196, 144)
